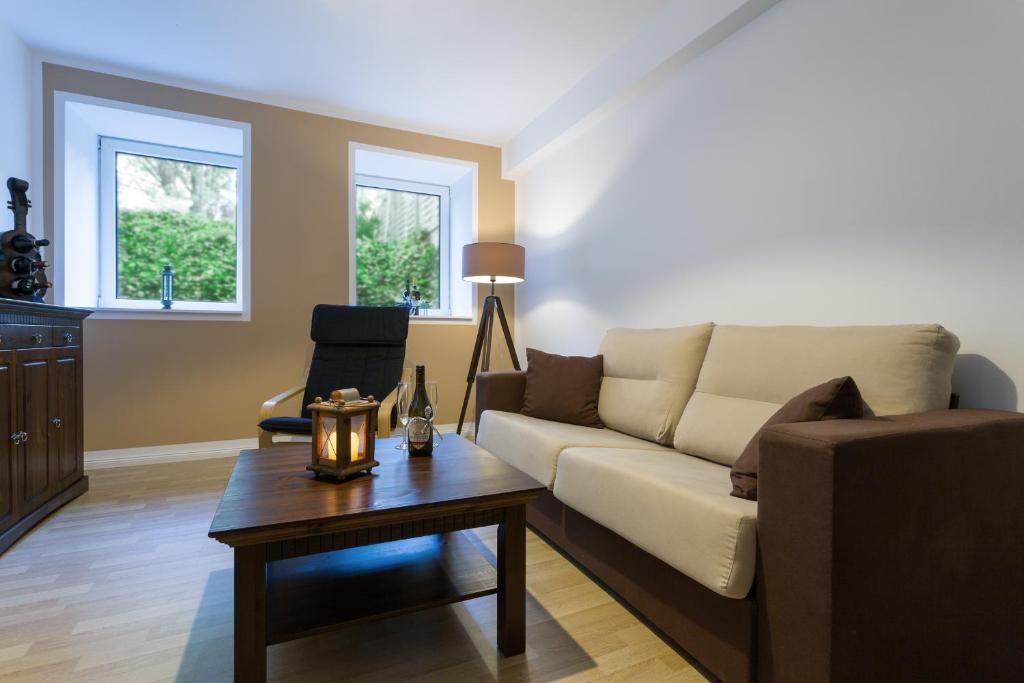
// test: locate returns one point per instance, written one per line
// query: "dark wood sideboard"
(41, 444)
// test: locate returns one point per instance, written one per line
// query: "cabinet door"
(65, 417)
(8, 451)
(33, 388)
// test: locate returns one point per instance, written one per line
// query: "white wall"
(76, 252)
(15, 121)
(840, 162)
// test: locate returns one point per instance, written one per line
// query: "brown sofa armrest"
(499, 391)
(892, 548)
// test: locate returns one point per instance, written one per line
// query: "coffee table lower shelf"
(317, 593)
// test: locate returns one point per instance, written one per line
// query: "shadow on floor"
(454, 642)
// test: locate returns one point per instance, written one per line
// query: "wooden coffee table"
(311, 555)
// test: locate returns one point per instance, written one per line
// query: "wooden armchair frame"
(269, 407)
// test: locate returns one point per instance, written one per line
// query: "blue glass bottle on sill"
(167, 287)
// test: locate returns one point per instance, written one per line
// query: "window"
(409, 217)
(138, 188)
(163, 206)
(403, 234)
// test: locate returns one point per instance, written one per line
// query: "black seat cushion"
(288, 425)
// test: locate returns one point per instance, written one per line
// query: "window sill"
(440, 320)
(151, 314)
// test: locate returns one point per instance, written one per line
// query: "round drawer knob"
(57, 422)
(37, 339)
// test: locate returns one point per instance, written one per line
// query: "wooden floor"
(124, 585)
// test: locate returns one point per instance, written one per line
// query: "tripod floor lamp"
(496, 263)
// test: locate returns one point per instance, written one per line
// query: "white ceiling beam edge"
(675, 36)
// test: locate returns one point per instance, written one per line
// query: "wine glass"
(432, 397)
(402, 403)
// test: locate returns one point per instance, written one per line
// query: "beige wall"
(153, 382)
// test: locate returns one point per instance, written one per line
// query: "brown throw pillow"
(835, 399)
(563, 388)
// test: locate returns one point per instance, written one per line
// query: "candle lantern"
(344, 429)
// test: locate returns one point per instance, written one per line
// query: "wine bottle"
(21, 265)
(25, 243)
(421, 429)
(24, 285)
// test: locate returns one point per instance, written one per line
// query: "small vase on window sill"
(167, 287)
(412, 299)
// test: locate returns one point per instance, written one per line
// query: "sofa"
(884, 548)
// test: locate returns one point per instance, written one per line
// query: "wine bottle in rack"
(26, 243)
(22, 265)
(24, 286)
(421, 413)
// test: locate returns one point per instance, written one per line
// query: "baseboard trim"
(146, 455)
(206, 450)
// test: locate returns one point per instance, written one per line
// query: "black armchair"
(356, 346)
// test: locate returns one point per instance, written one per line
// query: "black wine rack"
(22, 267)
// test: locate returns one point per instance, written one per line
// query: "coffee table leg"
(512, 582)
(251, 613)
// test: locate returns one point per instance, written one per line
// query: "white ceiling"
(473, 69)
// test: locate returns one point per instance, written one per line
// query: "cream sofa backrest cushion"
(648, 378)
(749, 372)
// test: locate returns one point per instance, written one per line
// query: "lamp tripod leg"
(486, 362)
(492, 307)
(474, 363)
(508, 334)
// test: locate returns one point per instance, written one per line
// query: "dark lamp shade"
(493, 262)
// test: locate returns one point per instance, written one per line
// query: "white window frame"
(109, 147)
(444, 238)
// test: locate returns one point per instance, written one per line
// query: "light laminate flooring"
(123, 584)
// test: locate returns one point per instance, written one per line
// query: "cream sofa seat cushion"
(648, 378)
(674, 506)
(533, 445)
(749, 372)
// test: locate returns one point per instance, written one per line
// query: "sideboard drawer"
(25, 336)
(67, 336)
(12, 337)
